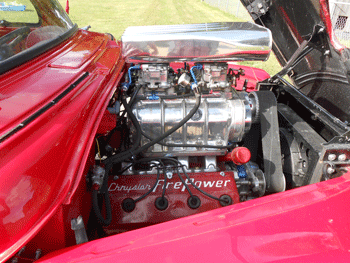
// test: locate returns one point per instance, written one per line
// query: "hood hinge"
(258, 8)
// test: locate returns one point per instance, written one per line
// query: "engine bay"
(184, 151)
(184, 134)
(189, 138)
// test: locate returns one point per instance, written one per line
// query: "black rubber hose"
(104, 221)
(133, 151)
(138, 140)
(132, 100)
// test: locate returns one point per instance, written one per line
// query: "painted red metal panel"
(308, 224)
(78, 55)
(42, 165)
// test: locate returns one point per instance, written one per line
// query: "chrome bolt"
(330, 170)
(169, 174)
(304, 164)
(331, 157)
(342, 157)
(116, 177)
(38, 254)
(222, 173)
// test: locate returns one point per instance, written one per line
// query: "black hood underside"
(322, 72)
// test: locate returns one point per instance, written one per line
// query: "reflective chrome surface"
(230, 41)
(217, 121)
(155, 75)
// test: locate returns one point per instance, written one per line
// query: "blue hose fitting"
(242, 173)
(198, 66)
(126, 85)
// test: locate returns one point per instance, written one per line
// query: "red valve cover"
(145, 212)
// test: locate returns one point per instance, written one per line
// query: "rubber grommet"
(161, 203)
(225, 200)
(193, 202)
(128, 205)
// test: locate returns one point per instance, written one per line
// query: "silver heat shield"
(219, 120)
(229, 41)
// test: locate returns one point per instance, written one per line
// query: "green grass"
(28, 15)
(114, 16)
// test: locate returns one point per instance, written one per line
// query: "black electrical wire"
(176, 162)
(165, 180)
(158, 174)
(200, 190)
(125, 168)
(183, 181)
(133, 162)
(150, 190)
(196, 187)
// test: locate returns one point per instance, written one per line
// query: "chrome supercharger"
(220, 119)
(224, 115)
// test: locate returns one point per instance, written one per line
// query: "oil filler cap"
(240, 155)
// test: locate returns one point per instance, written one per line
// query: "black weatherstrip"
(43, 109)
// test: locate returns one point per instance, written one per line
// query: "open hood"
(320, 65)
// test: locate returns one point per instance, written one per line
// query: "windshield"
(28, 24)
